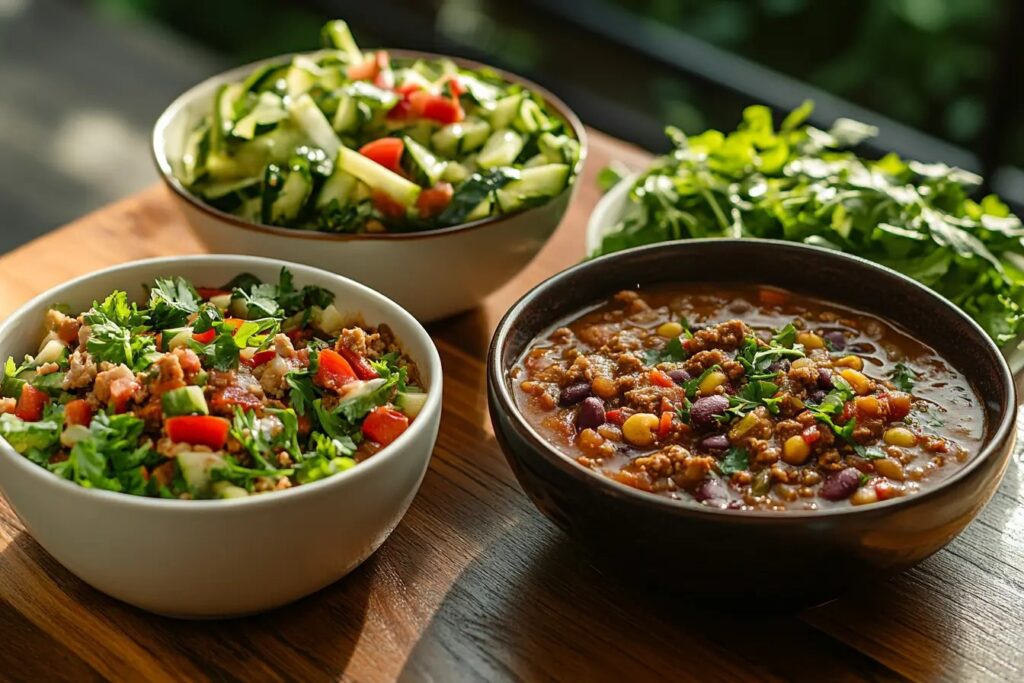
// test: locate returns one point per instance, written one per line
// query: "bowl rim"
(601, 218)
(498, 386)
(166, 172)
(417, 430)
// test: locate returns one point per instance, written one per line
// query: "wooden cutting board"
(475, 584)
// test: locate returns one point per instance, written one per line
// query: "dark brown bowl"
(756, 559)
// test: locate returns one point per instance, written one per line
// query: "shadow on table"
(309, 640)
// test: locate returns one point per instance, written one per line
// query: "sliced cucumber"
(225, 489)
(361, 389)
(51, 352)
(12, 386)
(336, 188)
(184, 401)
(410, 403)
(529, 119)
(559, 149)
(503, 112)
(454, 172)
(311, 120)
(422, 166)
(534, 183)
(501, 149)
(328, 320)
(459, 138)
(269, 109)
(347, 116)
(221, 301)
(336, 34)
(197, 147)
(195, 469)
(378, 177)
(265, 76)
(285, 193)
(224, 112)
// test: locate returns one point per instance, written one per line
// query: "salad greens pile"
(803, 184)
(342, 140)
(205, 392)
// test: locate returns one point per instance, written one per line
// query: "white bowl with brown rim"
(432, 274)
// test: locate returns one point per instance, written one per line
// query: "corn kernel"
(864, 495)
(712, 381)
(639, 429)
(605, 387)
(899, 436)
(853, 362)
(890, 468)
(867, 406)
(795, 451)
(669, 330)
(860, 383)
(810, 340)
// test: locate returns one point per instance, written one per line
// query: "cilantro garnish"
(117, 329)
(672, 352)
(171, 302)
(735, 460)
(903, 378)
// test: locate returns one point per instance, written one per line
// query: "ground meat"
(47, 369)
(702, 360)
(272, 375)
(227, 389)
(109, 375)
(649, 399)
(361, 342)
(7, 405)
(631, 301)
(169, 375)
(729, 336)
(283, 346)
(81, 371)
(685, 469)
(189, 362)
(66, 327)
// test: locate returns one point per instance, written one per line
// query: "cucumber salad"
(203, 392)
(346, 141)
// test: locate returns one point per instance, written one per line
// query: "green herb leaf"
(735, 460)
(903, 378)
(171, 302)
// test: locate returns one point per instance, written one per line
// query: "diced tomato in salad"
(78, 412)
(385, 151)
(432, 201)
(334, 372)
(198, 430)
(360, 365)
(31, 404)
(384, 425)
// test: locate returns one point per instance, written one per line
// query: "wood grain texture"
(475, 584)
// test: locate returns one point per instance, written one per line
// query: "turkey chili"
(748, 398)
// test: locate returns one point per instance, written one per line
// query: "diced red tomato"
(848, 411)
(207, 293)
(772, 297)
(434, 200)
(78, 412)
(385, 77)
(205, 337)
(665, 424)
(260, 358)
(224, 400)
(31, 403)
(435, 107)
(305, 424)
(121, 391)
(299, 334)
(407, 89)
(369, 68)
(660, 379)
(334, 371)
(454, 86)
(615, 416)
(385, 151)
(198, 430)
(384, 425)
(402, 110)
(387, 206)
(360, 365)
(811, 435)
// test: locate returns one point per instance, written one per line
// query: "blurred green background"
(942, 78)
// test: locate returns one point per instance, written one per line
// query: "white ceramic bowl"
(433, 274)
(608, 211)
(217, 558)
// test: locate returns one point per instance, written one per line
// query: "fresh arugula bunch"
(802, 184)
(117, 332)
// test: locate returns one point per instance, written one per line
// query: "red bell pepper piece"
(31, 403)
(334, 371)
(204, 337)
(78, 412)
(198, 430)
(615, 416)
(384, 425)
(436, 107)
(665, 424)
(660, 379)
(811, 435)
(260, 358)
(360, 365)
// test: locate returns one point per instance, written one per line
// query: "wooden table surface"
(475, 584)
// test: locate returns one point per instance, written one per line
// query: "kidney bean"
(574, 393)
(824, 378)
(817, 396)
(712, 492)
(590, 414)
(836, 339)
(715, 442)
(840, 485)
(679, 376)
(705, 408)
